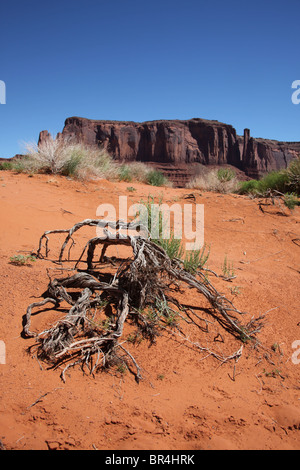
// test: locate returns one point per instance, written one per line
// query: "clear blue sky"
(233, 61)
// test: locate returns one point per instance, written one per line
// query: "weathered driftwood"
(140, 289)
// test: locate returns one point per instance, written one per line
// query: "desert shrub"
(131, 189)
(196, 259)
(72, 164)
(152, 217)
(291, 200)
(125, 173)
(213, 181)
(22, 260)
(24, 164)
(139, 171)
(273, 181)
(202, 182)
(156, 178)
(293, 173)
(68, 158)
(134, 171)
(200, 169)
(227, 269)
(6, 165)
(225, 174)
(154, 220)
(172, 246)
(250, 186)
(20, 165)
(50, 156)
(97, 163)
(64, 157)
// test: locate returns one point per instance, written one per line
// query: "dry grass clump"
(50, 156)
(24, 164)
(221, 180)
(60, 156)
(74, 159)
(139, 171)
(134, 171)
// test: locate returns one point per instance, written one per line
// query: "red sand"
(185, 401)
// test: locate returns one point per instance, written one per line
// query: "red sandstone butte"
(181, 143)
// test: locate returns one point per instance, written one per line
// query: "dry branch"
(139, 291)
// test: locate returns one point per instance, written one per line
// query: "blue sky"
(233, 61)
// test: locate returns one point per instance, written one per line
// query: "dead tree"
(142, 291)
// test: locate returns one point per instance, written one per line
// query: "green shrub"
(153, 219)
(133, 171)
(195, 259)
(156, 178)
(225, 174)
(131, 189)
(89, 163)
(291, 200)
(172, 246)
(70, 168)
(6, 165)
(24, 164)
(247, 187)
(227, 269)
(20, 165)
(125, 174)
(22, 260)
(275, 180)
(293, 173)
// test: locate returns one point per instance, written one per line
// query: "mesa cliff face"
(182, 143)
(175, 142)
(263, 155)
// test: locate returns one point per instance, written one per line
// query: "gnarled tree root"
(142, 290)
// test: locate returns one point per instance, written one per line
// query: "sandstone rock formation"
(174, 142)
(182, 143)
(43, 137)
(263, 155)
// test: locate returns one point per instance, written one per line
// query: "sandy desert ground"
(186, 401)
